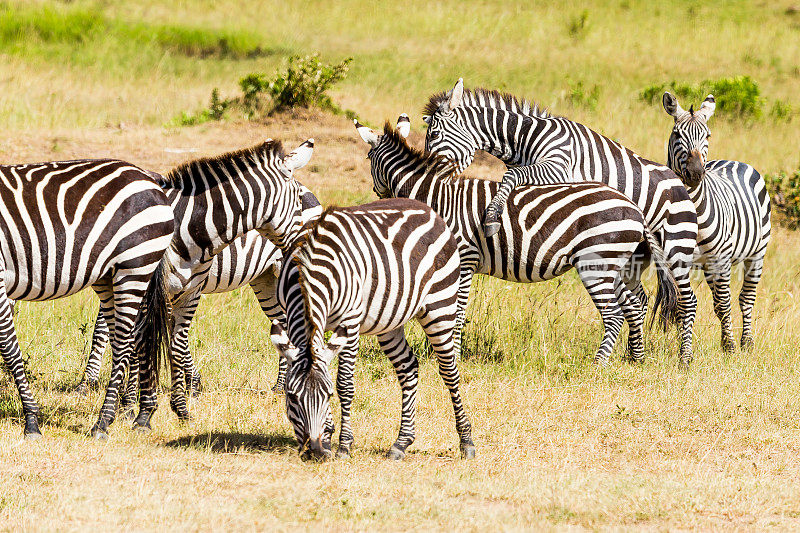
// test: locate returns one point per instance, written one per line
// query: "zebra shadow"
(223, 442)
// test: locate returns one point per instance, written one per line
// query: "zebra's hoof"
(728, 346)
(748, 344)
(32, 436)
(85, 387)
(467, 451)
(395, 454)
(342, 452)
(142, 429)
(490, 229)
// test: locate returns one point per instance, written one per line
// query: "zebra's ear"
(671, 105)
(369, 136)
(456, 95)
(426, 119)
(300, 156)
(403, 125)
(707, 108)
(334, 346)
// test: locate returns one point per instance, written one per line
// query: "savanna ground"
(560, 444)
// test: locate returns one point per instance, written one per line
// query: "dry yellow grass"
(559, 444)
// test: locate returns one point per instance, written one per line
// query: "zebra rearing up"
(215, 200)
(733, 213)
(368, 270)
(68, 225)
(546, 231)
(251, 259)
(557, 150)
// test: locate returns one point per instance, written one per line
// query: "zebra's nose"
(319, 450)
(695, 166)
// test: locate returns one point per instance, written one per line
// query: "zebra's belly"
(35, 287)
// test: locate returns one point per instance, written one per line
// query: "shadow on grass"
(221, 442)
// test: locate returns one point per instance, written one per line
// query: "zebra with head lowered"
(215, 200)
(252, 259)
(68, 225)
(368, 270)
(733, 213)
(546, 231)
(551, 150)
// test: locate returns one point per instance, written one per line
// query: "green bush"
(785, 195)
(739, 97)
(303, 84)
(582, 96)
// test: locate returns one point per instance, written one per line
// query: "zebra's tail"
(666, 304)
(152, 330)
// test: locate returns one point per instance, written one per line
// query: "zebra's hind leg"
(747, 298)
(345, 389)
(439, 328)
(718, 276)
(406, 365)
(12, 357)
(632, 310)
(182, 364)
(600, 285)
(100, 337)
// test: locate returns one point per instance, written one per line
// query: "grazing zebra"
(68, 225)
(251, 259)
(545, 231)
(733, 213)
(557, 150)
(368, 270)
(215, 200)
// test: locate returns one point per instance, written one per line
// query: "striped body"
(68, 225)
(546, 150)
(368, 270)
(545, 231)
(215, 201)
(251, 259)
(733, 214)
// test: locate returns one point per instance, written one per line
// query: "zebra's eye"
(434, 134)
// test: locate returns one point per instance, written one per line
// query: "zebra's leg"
(678, 250)
(345, 389)
(747, 298)
(406, 365)
(600, 284)
(127, 294)
(100, 337)
(265, 288)
(718, 276)
(464, 287)
(12, 357)
(632, 276)
(181, 359)
(491, 217)
(632, 310)
(439, 327)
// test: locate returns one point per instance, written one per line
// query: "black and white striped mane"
(190, 172)
(423, 161)
(481, 97)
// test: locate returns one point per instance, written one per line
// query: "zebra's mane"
(189, 172)
(480, 97)
(438, 164)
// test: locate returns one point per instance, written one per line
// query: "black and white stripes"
(733, 213)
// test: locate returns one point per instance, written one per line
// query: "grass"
(560, 444)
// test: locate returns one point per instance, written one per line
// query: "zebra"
(546, 231)
(733, 213)
(368, 270)
(215, 201)
(251, 259)
(68, 225)
(547, 150)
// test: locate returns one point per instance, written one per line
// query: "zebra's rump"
(64, 225)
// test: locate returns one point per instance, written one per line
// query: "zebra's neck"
(506, 135)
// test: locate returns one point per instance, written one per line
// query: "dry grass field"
(561, 445)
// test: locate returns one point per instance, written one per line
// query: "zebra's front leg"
(718, 276)
(100, 336)
(601, 288)
(265, 288)
(464, 287)
(280, 339)
(345, 389)
(747, 299)
(406, 365)
(12, 357)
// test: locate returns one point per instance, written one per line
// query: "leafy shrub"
(304, 83)
(580, 96)
(739, 96)
(785, 195)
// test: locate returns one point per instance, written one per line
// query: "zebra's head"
(380, 182)
(283, 217)
(309, 389)
(447, 135)
(687, 151)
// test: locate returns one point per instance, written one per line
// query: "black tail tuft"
(152, 329)
(666, 304)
